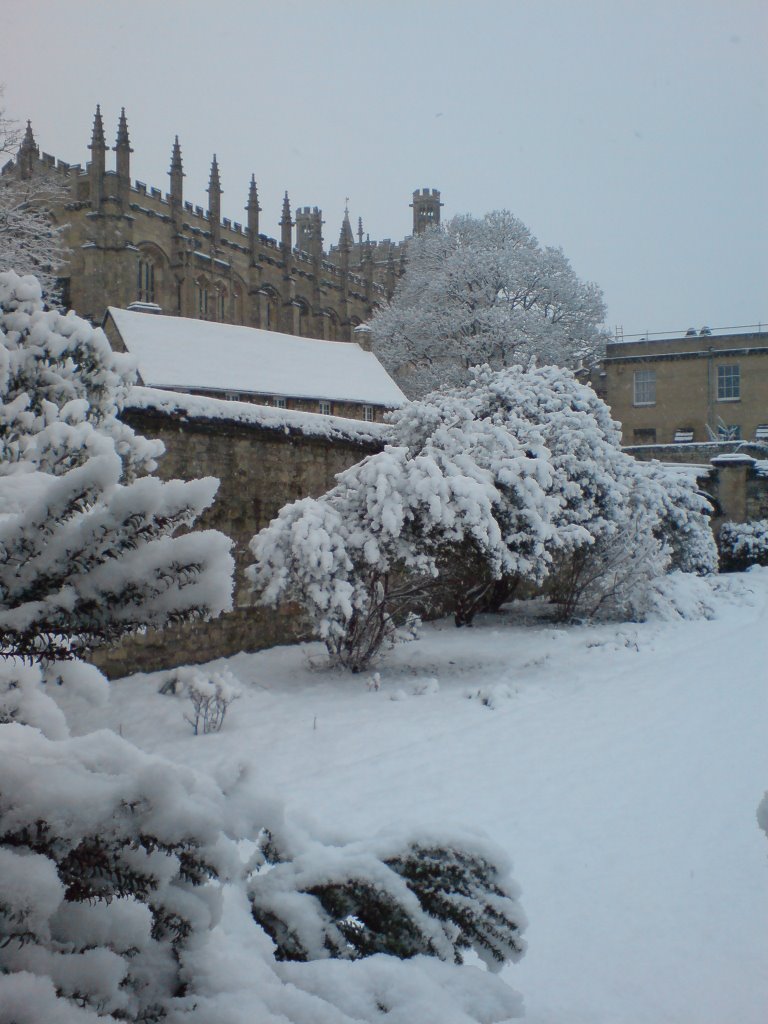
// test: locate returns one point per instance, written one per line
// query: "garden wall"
(264, 459)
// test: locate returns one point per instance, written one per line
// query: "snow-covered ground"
(621, 767)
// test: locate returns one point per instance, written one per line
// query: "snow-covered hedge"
(743, 544)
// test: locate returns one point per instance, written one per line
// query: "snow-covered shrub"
(681, 595)
(114, 866)
(743, 544)
(210, 698)
(621, 523)
(395, 894)
(683, 518)
(518, 477)
(364, 555)
(599, 537)
(491, 697)
(106, 855)
(89, 551)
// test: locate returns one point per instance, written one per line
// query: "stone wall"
(735, 474)
(262, 466)
(695, 453)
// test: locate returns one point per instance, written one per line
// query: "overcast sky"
(632, 133)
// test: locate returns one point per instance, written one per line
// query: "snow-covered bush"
(210, 699)
(89, 551)
(406, 896)
(683, 518)
(105, 858)
(516, 477)
(743, 544)
(368, 552)
(609, 526)
(115, 866)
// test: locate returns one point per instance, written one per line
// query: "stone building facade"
(687, 390)
(131, 243)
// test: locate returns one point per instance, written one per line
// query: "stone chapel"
(137, 247)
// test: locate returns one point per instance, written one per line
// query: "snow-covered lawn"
(621, 767)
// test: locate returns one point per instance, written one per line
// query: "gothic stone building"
(133, 244)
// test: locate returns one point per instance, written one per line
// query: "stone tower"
(309, 230)
(426, 210)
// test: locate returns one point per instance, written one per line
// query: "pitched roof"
(175, 352)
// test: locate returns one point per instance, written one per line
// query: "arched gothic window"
(269, 309)
(145, 285)
(201, 299)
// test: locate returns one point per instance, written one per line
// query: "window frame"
(146, 280)
(648, 383)
(325, 407)
(729, 382)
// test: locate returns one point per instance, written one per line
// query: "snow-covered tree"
(484, 291)
(89, 551)
(31, 241)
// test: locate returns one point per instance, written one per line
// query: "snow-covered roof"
(175, 352)
(204, 407)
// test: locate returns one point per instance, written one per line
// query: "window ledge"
(737, 399)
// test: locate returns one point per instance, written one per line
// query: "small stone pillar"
(733, 471)
(362, 335)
